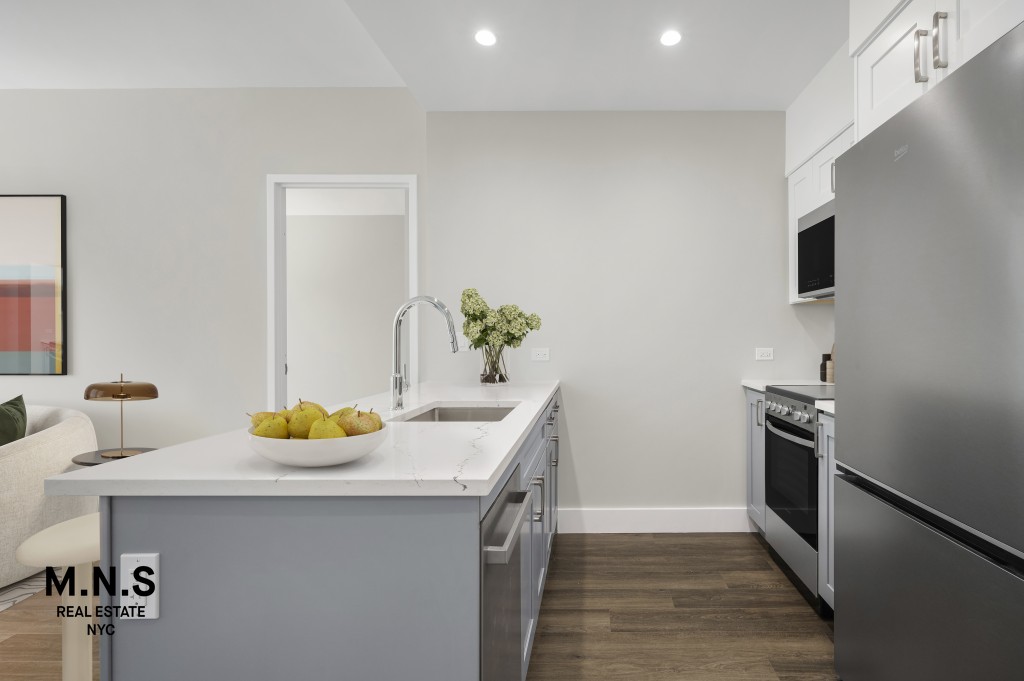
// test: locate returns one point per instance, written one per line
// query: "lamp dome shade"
(121, 390)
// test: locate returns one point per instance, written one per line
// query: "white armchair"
(53, 436)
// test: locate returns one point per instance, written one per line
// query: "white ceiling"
(551, 54)
(606, 54)
(187, 43)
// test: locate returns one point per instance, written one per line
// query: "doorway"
(341, 259)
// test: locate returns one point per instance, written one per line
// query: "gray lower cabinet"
(368, 588)
(826, 508)
(540, 466)
(755, 458)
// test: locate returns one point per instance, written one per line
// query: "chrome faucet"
(398, 380)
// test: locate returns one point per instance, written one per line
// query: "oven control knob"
(805, 418)
(785, 410)
(796, 415)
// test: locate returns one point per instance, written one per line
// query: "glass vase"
(494, 369)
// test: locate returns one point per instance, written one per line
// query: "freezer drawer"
(912, 603)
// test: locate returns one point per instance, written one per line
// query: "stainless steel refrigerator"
(929, 517)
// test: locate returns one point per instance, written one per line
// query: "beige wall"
(167, 231)
(653, 245)
(346, 277)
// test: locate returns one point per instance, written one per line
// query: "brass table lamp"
(121, 391)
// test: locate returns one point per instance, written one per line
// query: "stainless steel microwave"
(816, 253)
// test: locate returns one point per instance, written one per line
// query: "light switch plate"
(463, 342)
(764, 354)
(129, 563)
(540, 354)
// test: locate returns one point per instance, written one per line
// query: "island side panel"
(262, 588)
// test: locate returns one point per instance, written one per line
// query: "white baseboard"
(626, 520)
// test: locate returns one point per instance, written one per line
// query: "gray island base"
(377, 570)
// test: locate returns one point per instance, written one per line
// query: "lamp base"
(118, 453)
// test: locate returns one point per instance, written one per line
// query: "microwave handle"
(792, 438)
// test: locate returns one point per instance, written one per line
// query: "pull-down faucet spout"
(398, 379)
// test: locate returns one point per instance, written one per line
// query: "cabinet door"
(972, 25)
(826, 509)
(551, 512)
(825, 166)
(755, 457)
(526, 612)
(890, 73)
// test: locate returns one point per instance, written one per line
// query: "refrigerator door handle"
(919, 75)
(937, 60)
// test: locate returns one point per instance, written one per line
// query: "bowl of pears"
(307, 435)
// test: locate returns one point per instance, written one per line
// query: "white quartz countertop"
(416, 459)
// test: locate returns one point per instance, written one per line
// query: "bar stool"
(74, 542)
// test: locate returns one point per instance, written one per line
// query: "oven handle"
(791, 438)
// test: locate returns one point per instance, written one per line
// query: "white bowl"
(315, 453)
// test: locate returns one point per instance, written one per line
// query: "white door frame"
(277, 311)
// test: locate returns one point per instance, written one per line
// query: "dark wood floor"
(30, 641)
(680, 607)
(644, 607)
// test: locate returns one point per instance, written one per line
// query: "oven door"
(791, 478)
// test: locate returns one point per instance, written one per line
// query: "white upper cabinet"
(916, 47)
(895, 68)
(824, 108)
(972, 25)
(866, 16)
(810, 186)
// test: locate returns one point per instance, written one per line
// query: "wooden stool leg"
(76, 646)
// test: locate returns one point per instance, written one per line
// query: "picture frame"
(33, 285)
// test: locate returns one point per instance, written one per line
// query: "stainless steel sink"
(458, 414)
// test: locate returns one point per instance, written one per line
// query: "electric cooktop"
(804, 393)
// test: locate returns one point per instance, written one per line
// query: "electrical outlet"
(540, 354)
(764, 354)
(148, 566)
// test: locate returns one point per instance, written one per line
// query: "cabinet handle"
(833, 171)
(818, 440)
(502, 554)
(937, 60)
(919, 75)
(760, 413)
(539, 481)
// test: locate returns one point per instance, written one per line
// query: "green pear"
(303, 405)
(341, 412)
(357, 423)
(275, 427)
(302, 421)
(286, 414)
(260, 416)
(376, 419)
(325, 429)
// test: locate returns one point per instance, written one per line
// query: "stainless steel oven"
(791, 485)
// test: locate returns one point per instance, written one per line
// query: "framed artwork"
(33, 295)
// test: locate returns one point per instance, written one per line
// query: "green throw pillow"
(12, 420)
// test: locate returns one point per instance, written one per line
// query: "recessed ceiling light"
(485, 37)
(670, 38)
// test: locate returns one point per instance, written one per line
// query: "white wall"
(653, 245)
(346, 277)
(167, 231)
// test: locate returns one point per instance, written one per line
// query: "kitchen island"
(368, 570)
